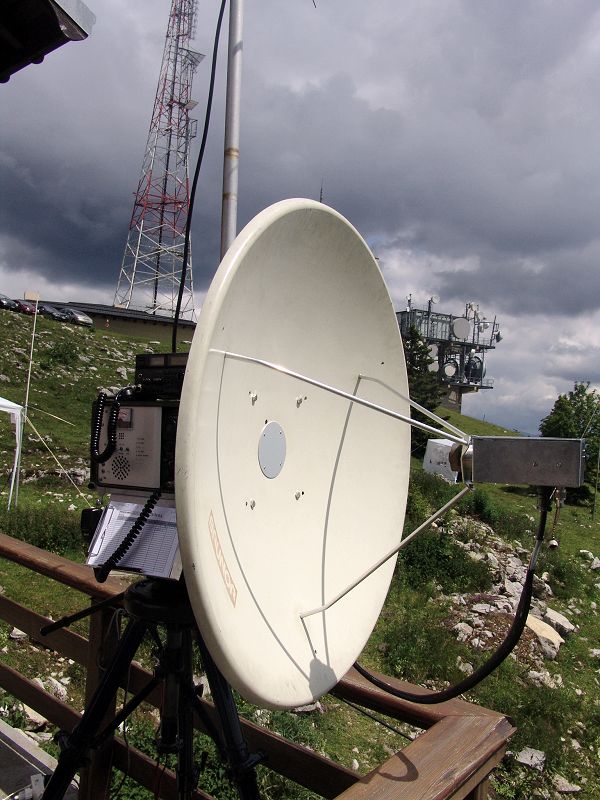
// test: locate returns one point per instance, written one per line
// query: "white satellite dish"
(286, 492)
(433, 353)
(450, 368)
(461, 327)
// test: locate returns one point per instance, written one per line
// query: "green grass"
(472, 426)
(412, 639)
(70, 364)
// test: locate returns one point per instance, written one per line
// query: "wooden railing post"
(481, 792)
(103, 638)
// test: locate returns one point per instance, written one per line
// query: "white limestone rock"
(464, 666)
(463, 631)
(549, 639)
(559, 622)
(309, 708)
(530, 757)
(563, 786)
(513, 588)
(34, 720)
(482, 608)
(56, 688)
(543, 678)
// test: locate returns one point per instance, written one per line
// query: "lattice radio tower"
(150, 273)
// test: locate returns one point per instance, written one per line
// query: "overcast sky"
(460, 138)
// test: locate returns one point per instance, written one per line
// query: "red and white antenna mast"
(151, 269)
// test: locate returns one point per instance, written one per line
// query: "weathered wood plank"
(69, 644)
(95, 778)
(293, 761)
(60, 569)
(50, 707)
(439, 764)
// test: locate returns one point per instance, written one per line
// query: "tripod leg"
(78, 743)
(187, 776)
(176, 724)
(241, 761)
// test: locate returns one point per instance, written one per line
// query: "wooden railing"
(453, 758)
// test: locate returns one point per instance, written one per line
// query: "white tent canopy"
(16, 415)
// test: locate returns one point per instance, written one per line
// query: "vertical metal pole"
(31, 357)
(26, 407)
(232, 126)
(596, 484)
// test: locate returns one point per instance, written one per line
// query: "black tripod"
(150, 603)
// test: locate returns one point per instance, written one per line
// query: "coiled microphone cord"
(103, 571)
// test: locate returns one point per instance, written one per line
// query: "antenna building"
(457, 345)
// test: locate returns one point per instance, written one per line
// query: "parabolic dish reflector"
(286, 492)
(461, 327)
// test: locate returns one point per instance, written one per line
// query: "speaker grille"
(120, 467)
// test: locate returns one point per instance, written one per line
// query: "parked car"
(48, 310)
(77, 317)
(6, 302)
(25, 307)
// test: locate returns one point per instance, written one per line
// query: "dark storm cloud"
(72, 141)
(54, 226)
(300, 139)
(561, 283)
(444, 129)
(487, 156)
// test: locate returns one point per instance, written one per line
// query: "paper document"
(155, 552)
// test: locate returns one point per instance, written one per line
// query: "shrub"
(566, 575)
(434, 556)
(417, 647)
(46, 526)
(506, 523)
(61, 353)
